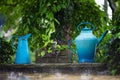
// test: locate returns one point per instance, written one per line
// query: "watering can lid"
(86, 29)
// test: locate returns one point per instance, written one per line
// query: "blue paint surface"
(22, 54)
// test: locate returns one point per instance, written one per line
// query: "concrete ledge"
(54, 67)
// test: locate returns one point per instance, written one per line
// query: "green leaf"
(49, 50)
(42, 53)
(57, 21)
(113, 72)
(50, 15)
(58, 7)
(63, 5)
(48, 4)
(43, 11)
(118, 35)
(54, 8)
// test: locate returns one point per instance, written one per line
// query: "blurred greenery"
(113, 52)
(32, 16)
(6, 52)
(53, 22)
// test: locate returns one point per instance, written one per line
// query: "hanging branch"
(106, 7)
(112, 5)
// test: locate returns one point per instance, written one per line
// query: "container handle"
(13, 41)
(92, 26)
(69, 46)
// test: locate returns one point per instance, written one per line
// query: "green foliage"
(6, 52)
(38, 19)
(11, 11)
(114, 56)
(86, 10)
(114, 45)
(33, 16)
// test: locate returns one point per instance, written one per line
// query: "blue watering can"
(22, 51)
(86, 43)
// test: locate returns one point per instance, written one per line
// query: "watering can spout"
(101, 38)
(27, 36)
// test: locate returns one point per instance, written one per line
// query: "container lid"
(86, 29)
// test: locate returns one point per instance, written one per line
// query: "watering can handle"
(12, 41)
(93, 27)
(69, 46)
